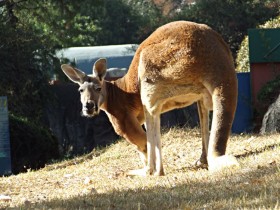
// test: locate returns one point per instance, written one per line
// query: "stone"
(271, 119)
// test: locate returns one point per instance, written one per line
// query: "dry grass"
(97, 180)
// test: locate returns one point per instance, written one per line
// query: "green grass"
(98, 180)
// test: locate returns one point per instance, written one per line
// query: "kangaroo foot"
(144, 172)
(221, 162)
(138, 172)
(200, 164)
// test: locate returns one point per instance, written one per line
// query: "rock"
(271, 120)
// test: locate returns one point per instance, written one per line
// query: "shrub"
(270, 91)
(31, 146)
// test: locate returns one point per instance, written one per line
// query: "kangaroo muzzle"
(90, 109)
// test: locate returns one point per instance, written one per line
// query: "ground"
(98, 180)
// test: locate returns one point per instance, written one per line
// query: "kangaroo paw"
(200, 164)
(159, 173)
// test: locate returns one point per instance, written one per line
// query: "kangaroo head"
(91, 86)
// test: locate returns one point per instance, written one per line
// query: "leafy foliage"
(270, 91)
(59, 23)
(24, 60)
(230, 18)
(122, 21)
(68, 23)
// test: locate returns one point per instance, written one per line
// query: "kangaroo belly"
(178, 102)
(163, 97)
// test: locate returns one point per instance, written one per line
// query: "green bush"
(31, 146)
(242, 60)
(270, 91)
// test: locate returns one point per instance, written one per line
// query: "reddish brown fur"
(180, 63)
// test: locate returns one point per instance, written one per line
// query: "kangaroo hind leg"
(203, 113)
(224, 104)
(154, 154)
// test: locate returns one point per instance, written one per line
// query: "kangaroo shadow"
(257, 151)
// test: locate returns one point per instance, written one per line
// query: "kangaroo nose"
(89, 106)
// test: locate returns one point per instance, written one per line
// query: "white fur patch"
(222, 162)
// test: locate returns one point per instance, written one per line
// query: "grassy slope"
(97, 181)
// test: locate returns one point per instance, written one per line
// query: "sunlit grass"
(98, 181)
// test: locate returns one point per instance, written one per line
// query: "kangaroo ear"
(74, 74)
(100, 68)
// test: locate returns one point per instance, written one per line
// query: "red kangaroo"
(178, 64)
